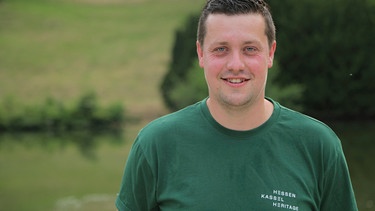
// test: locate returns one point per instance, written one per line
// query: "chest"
(238, 177)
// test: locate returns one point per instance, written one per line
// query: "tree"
(183, 58)
(328, 47)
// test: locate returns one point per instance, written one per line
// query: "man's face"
(236, 57)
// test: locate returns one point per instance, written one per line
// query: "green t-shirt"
(188, 161)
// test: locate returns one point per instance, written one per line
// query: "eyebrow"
(253, 42)
(245, 43)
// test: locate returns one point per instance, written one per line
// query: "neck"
(241, 119)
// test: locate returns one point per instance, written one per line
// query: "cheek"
(259, 66)
(212, 71)
(214, 66)
(210, 75)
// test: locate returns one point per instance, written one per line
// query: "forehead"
(221, 26)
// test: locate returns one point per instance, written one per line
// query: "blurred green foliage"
(53, 115)
(289, 95)
(191, 89)
(183, 56)
(328, 47)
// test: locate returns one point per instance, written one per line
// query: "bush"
(289, 96)
(327, 46)
(183, 58)
(191, 89)
(53, 115)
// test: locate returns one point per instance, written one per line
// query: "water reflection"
(86, 140)
(359, 147)
(89, 202)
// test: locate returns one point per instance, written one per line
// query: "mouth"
(235, 80)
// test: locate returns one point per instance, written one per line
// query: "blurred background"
(80, 78)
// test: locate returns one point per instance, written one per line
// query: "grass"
(63, 48)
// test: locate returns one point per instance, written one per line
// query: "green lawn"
(62, 48)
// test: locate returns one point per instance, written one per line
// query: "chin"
(238, 101)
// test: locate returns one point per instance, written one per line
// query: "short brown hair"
(236, 7)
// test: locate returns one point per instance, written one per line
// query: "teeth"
(235, 80)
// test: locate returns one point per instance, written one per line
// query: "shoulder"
(300, 121)
(170, 125)
(175, 119)
(308, 129)
(311, 137)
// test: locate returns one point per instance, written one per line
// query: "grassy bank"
(62, 48)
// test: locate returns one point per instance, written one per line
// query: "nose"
(235, 62)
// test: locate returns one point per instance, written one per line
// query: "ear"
(271, 54)
(200, 54)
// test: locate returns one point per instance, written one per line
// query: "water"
(83, 171)
(80, 171)
(359, 147)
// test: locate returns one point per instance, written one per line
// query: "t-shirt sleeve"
(338, 193)
(137, 191)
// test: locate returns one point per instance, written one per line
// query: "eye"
(220, 49)
(250, 49)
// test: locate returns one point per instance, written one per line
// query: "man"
(237, 149)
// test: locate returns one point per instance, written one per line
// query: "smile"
(235, 80)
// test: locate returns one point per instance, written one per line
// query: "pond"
(65, 172)
(82, 172)
(358, 140)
